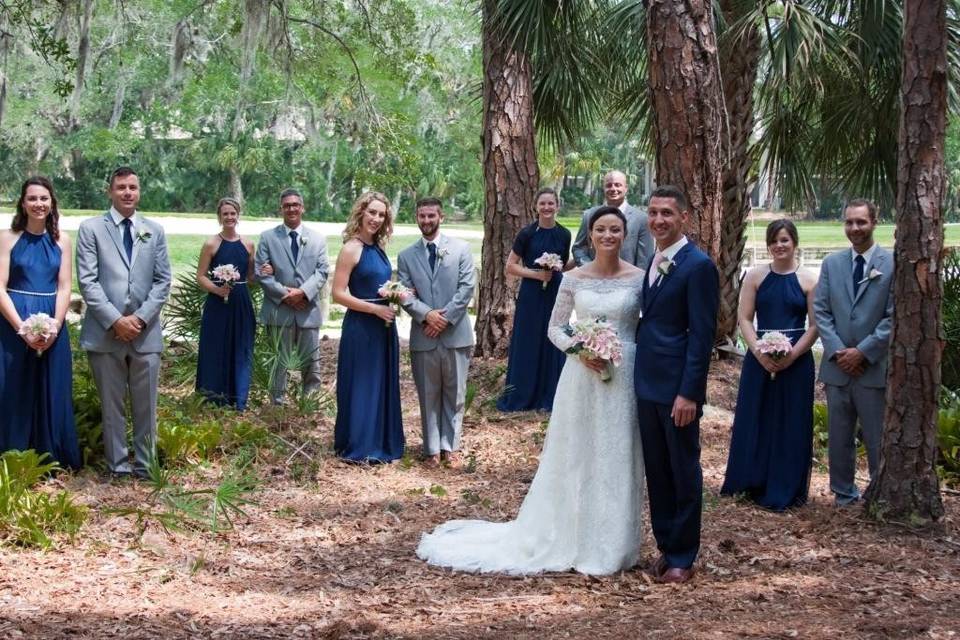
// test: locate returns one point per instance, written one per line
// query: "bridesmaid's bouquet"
(39, 325)
(550, 261)
(776, 345)
(596, 338)
(394, 292)
(228, 274)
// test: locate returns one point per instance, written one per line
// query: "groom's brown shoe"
(676, 576)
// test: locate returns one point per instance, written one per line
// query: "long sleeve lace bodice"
(618, 299)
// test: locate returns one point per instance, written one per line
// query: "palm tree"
(543, 71)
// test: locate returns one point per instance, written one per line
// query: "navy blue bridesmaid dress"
(227, 329)
(534, 366)
(369, 425)
(36, 393)
(771, 447)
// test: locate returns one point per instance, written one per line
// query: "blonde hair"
(352, 230)
(230, 201)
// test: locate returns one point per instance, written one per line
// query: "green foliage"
(820, 430)
(948, 436)
(185, 443)
(86, 405)
(29, 517)
(951, 319)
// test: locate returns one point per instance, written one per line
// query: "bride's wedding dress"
(583, 509)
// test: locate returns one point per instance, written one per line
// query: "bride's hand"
(594, 364)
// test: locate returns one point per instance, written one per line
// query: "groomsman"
(440, 268)
(674, 344)
(291, 300)
(124, 276)
(854, 312)
(637, 245)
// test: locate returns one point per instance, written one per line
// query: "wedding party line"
(613, 334)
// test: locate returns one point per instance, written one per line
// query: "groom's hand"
(683, 412)
(127, 328)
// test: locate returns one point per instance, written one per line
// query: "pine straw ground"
(327, 552)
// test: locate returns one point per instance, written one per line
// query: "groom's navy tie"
(858, 273)
(294, 245)
(432, 250)
(127, 238)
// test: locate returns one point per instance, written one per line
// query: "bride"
(582, 511)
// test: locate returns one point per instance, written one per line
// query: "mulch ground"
(327, 552)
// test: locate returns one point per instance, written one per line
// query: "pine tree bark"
(739, 59)
(907, 488)
(688, 110)
(510, 176)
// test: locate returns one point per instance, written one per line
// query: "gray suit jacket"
(113, 287)
(308, 273)
(638, 246)
(863, 320)
(449, 287)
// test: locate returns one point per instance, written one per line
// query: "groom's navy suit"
(674, 342)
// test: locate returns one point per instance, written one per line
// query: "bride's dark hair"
(606, 211)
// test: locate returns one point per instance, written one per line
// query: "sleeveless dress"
(771, 446)
(369, 425)
(583, 509)
(227, 329)
(36, 394)
(534, 365)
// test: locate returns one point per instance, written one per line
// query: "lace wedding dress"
(583, 509)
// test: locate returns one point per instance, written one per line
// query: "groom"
(124, 277)
(674, 343)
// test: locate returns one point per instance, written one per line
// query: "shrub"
(948, 436)
(29, 517)
(951, 319)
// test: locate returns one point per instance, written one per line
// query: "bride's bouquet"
(596, 338)
(776, 345)
(228, 275)
(551, 262)
(393, 291)
(39, 325)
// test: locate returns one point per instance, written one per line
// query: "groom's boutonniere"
(303, 241)
(143, 235)
(664, 269)
(442, 253)
(874, 274)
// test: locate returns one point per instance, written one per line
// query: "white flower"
(874, 274)
(442, 253)
(303, 241)
(143, 235)
(666, 267)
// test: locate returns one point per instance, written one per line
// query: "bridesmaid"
(369, 426)
(228, 325)
(772, 443)
(533, 369)
(36, 393)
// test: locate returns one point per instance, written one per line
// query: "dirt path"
(328, 553)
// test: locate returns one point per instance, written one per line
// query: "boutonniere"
(874, 274)
(303, 241)
(442, 253)
(143, 235)
(664, 269)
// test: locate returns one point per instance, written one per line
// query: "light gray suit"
(308, 272)
(113, 287)
(440, 364)
(862, 320)
(638, 246)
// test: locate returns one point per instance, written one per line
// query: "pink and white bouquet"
(550, 261)
(37, 326)
(776, 345)
(394, 292)
(596, 338)
(228, 274)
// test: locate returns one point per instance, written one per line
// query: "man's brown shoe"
(453, 459)
(432, 462)
(676, 576)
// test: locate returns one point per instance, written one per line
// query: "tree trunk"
(83, 54)
(510, 176)
(906, 487)
(738, 65)
(688, 110)
(235, 185)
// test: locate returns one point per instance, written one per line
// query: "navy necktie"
(432, 250)
(858, 273)
(294, 245)
(127, 238)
